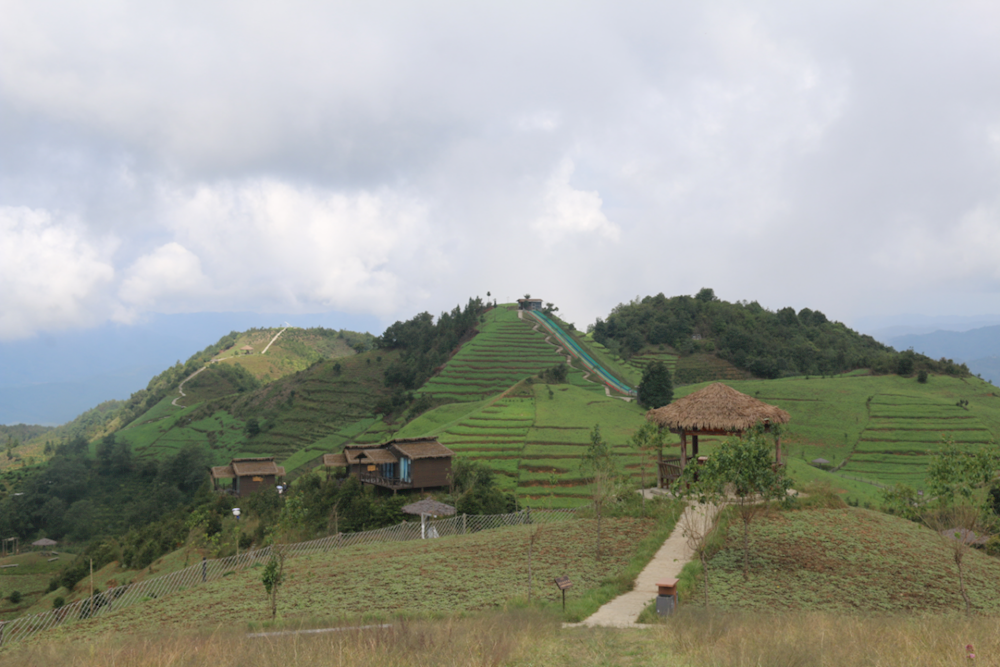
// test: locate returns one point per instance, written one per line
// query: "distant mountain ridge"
(979, 348)
(52, 378)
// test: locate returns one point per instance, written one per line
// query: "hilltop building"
(529, 304)
(405, 463)
(247, 475)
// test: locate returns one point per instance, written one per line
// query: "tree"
(656, 388)
(273, 576)
(605, 482)
(958, 483)
(743, 469)
(647, 439)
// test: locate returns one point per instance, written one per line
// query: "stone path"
(624, 610)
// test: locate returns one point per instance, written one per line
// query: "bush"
(14, 597)
(59, 602)
(922, 377)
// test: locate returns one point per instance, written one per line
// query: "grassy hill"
(882, 429)
(846, 560)
(480, 571)
(299, 417)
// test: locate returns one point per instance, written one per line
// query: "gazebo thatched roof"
(428, 506)
(717, 407)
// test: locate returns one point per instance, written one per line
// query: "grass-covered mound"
(844, 560)
(472, 572)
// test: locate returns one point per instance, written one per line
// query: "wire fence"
(120, 597)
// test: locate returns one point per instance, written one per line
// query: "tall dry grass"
(487, 641)
(827, 640)
(692, 638)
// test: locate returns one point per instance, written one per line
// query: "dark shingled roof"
(335, 460)
(377, 456)
(421, 448)
(429, 506)
(220, 472)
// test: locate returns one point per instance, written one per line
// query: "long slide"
(575, 350)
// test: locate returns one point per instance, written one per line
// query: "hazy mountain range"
(979, 348)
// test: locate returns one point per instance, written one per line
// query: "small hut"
(403, 463)
(247, 349)
(715, 410)
(247, 474)
(44, 543)
(425, 508)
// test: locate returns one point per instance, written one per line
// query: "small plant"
(59, 602)
(14, 597)
(922, 377)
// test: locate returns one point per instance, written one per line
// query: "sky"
(380, 159)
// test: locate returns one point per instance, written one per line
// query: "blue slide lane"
(574, 348)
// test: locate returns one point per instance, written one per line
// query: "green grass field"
(846, 560)
(481, 571)
(879, 428)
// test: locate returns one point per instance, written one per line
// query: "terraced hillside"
(535, 438)
(299, 418)
(903, 430)
(877, 428)
(505, 351)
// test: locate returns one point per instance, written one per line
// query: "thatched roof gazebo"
(715, 410)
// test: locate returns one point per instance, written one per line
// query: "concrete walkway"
(624, 610)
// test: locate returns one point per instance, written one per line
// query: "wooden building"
(715, 410)
(248, 475)
(529, 304)
(410, 463)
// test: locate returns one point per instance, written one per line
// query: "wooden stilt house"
(410, 463)
(247, 475)
(715, 410)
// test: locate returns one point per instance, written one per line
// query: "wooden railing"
(670, 471)
(387, 482)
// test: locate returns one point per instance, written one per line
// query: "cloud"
(338, 155)
(267, 244)
(168, 279)
(569, 212)
(52, 276)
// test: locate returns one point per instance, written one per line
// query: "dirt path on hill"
(180, 387)
(624, 610)
(274, 339)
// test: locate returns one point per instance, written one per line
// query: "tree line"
(765, 343)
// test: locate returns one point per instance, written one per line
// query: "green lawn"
(846, 560)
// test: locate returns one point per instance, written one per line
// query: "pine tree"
(657, 387)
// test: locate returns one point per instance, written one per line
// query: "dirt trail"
(180, 387)
(624, 610)
(274, 339)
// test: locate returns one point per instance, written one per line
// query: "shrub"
(59, 602)
(14, 597)
(922, 377)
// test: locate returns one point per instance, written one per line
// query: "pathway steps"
(624, 610)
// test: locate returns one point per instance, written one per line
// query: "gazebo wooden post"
(684, 449)
(659, 468)
(694, 447)
(777, 449)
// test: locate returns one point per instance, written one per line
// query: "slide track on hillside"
(576, 350)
